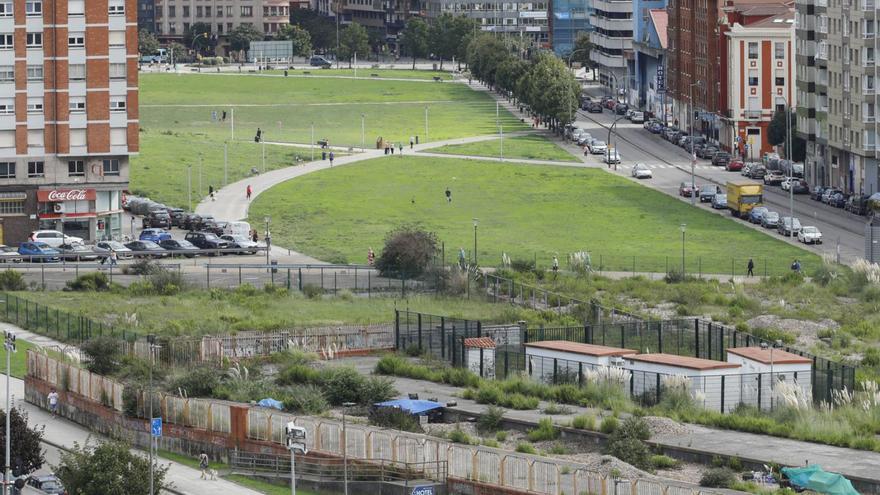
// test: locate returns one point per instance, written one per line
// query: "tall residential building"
(612, 36)
(523, 19)
(175, 17)
(649, 65)
(68, 115)
(567, 20)
(837, 88)
(146, 15)
(760, 71)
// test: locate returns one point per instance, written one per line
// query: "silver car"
(641, 171)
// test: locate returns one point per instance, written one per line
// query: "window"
(12, 207)
(229, 11)
(7, 74)
(77, 137)
(7, 106)
(247, 11)
(76, 7)
(33, 9)
(76, 168)
(219, 11)
(76, 72)
(35, 169)
(779, 50)
(117, 71)
(77, 104)
(111, 167)
(172, 11)
(117, 105)
(117, 38)
(780, 81)
(118, 136)
(5, 9)
(7, 170)
(34, 40)
(753, 51)
(35, 138)
(219, 28)
(76, 39)
(34, 105)
(116, 9)
(186, 11)
(34, 72)
(199, 11)
(5, 42)
(753, 81)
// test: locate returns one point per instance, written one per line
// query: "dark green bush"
(305, 399)
(391, 417)
(102, 355)
(664, 462)
(627, 442)
(526, 448)
(167, 282)
(143, 266)
(12, 280)
(312, 291)
(199, 381)
(544, 431)
(584, 422)
(298, 374)
(89, 282)
(459, 436)
(609, 424)
(408, 252)
(491, 420)
(718, 478)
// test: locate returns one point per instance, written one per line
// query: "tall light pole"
(570, 111)
(693, 156)
(345, 406)
(225, 163)
(153, 348)
(268, 238)
(789, 155)
(476, 222)
(363, 134)
(9, 345)
(426, 123)
(189, 189)
(683, 228)
(764, 345)
(313, 141)
(336, 11)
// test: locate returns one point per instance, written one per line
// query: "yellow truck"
(743, 195)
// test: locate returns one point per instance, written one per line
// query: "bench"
(437, 79)
(307, 72)
(374, 75)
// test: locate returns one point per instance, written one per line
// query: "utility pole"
(225, 164)
(9, 344)
(189, 189)
(426, 123)
(232, 122)
(312, 146)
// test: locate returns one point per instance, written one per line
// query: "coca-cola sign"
(61, 195)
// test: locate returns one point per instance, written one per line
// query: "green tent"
(814, 478)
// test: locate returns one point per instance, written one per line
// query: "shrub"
(341, 384)
(199, 381)
(627, 442)
(491, 420)
(397, 419)
(633, 427)
(408, 252)
(718, 478)
(130, 401)
(554, 408)
(609, 424)
(544, 431)
(488, 442)
(89, 282)
(735, 464)
(663, 462)
(558, 449)
(459, 436)
(167, 282)
(12, 280)
(584, 422)
(305, 399)
(522, 266)
(298, 374)
(377, 389)
(501, 436)
(526, 448)
(312, 291)
(102, 355)
(413, 350)
(142, 266)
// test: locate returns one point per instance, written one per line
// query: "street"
(671, 165)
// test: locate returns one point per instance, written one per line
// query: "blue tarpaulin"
(411, 406)
(274, 404)
(814, 478)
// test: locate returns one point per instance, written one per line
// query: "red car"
(685, 190)
(734, 165)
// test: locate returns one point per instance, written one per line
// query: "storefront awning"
(12, 196)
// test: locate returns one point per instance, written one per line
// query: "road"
(672, 165)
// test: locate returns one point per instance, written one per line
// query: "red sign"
(61, 195)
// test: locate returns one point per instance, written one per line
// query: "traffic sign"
(156, 427)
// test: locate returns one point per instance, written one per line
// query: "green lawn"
(18, 361)
(403, 73)
(523, 210)
(529, 147)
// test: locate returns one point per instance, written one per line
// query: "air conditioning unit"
(617, 361)
(58, 207)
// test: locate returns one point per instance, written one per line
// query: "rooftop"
(776, 20)
(660, 20)
(682, 361)
(763, 355)
(578, 348)
(480, 342)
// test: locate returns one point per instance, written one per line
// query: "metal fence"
(329, 469)
(52, 322)
(71, 378)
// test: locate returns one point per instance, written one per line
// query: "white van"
(238, 228)
(638, 117)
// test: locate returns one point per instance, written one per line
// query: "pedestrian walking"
(412, 141)
(259, 135)
(400, 148)
(52, 398)
(461, 258)
(113, 257)
(392, 148)
(751, 267)
(796, 266)
(331, 158)
(248, 192)
(211, 190)
(555, 265)
(371, 256)
(448, 195)
(254, 236)
(386, 148)
(203, 465)
(224, 115)
(213, 115)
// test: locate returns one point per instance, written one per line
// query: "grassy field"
(18, 361)
(402, 73)
(529, 147)
(525, 211)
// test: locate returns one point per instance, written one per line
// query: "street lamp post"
(608, 143)
(312, 145)
(693, 156)
(476, 222)
(570, 55)
(268, 238)
(426, 123)
(9, 345)
(789, 155)
(345, 406)
(683, 228)
(153, 348)
(189, 188)
(363, 134)
(765, 346)
(196, 37)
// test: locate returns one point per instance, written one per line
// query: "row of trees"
(446, 38)
(542, 82)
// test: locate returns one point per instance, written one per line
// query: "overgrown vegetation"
(627, 442)
(544, 431)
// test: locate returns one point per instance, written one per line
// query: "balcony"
(868, 146)
(611, 24)
(869, 35)
(752, 114)
(625, 6)
(821, 3)
(868, 90)
(611, 61)
(869, 119)
(867, 5)
(868, 62)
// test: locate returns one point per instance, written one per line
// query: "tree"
(408, 252)
(415, 38)
(581, 51)
(198, 36)
(26, 451)
(147, 43)
(302, 40)
(441, 38)
(486, 53)
(322, 29)
(464, 30)
(240, 38)
(177, 52)
(353, 40)
(102, 355)
(777, 134)
(108, 468)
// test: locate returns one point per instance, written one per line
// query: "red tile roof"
(763, 355)
(682, 361)
(578, 348)
(480, 342)
(660, 19)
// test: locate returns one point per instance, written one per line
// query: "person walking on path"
(412, 141)
(400, 149)
(259, 135)
(751, 267)
(392, 148)
(254, 236)
(211, 191)
(331, 158)
(448, 195)
(113, 257)
(461, 258)
(203, 465)
(555, 265)
(224, 116)
(248, 192)
(371, 256)
(52, 398)
(796, 266)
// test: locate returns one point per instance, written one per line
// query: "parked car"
(247, 246)
(621, 108)
(746, 169)
(684, 189)
(154, 235)
(637, 117)
(39, 251)
(176, 216)
(146, 249)
(708, 192)
(174, 246)
(810, 235)
(157, 218)
(9, 254)
(773, 178)
(719, 201)
(320, 61)
(594, 108)
(641, 171)
(77, 252)
(838, 200)
(598, 147)
(757, 172)
(103, 248)
(828, 194)
(789, 226)
(707, 151)
(857, 204)
(800, 186)
(757, 213)
(611, 156)
(53, 238)
(206, 240)
(585, 139)
(191, 221)
(817, 193)
(720, 158)
(770, 220)
(47, 484)
(734, 165)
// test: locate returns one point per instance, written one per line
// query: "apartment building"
(642, 84)
(760, 71)
(175, 17)
(68, 115)
(568, 19)
(524, 19)
(612, 37)
(837, 85)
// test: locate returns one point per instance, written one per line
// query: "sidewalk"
(62, 434)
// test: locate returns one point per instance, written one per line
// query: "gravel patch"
(661, 426)
(806, 331)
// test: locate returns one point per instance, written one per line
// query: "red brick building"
(68, 115)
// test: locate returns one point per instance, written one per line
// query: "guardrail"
(327, 469)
